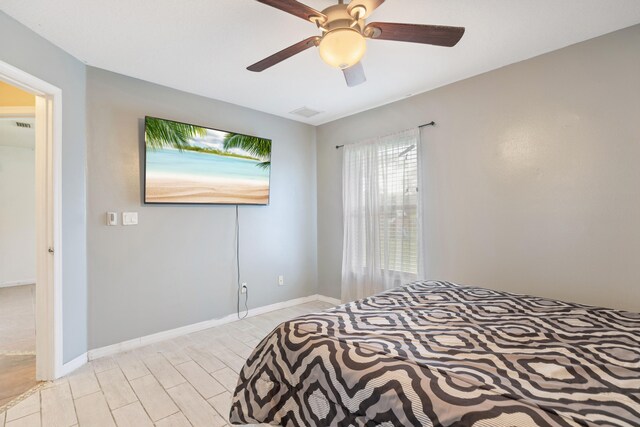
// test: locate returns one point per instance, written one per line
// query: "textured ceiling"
(204, 46)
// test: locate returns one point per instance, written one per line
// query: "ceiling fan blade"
(369, 5)
(295, 8)
(283, 54)
(414, 33)
(354, 75)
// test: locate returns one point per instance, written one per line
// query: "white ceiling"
(204, 46)
(13, 136)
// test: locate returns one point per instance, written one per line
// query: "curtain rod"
(431, 123)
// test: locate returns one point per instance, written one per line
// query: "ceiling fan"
(345, 30)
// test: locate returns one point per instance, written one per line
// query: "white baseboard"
(195, 327)
(18, 283)
(72, 365)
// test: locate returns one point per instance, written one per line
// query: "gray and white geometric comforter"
(440, 354)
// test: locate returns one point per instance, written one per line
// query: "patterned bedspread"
(440, 354)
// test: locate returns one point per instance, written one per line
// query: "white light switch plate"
(129, 218)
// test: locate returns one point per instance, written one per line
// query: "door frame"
(48, 116)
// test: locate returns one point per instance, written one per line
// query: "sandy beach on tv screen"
(170, 189)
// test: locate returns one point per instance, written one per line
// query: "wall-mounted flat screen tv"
(191, 164)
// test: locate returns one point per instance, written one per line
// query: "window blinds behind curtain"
(382, 214)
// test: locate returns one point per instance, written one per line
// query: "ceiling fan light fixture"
(342, 47)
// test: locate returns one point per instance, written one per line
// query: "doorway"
(43, 118)
(17, 242)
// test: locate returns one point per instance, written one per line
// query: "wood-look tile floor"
(17, 375)
(186, 381)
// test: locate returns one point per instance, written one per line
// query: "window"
(381, 205)
(398, 186)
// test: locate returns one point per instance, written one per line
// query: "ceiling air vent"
(23, 125)
(305, 112)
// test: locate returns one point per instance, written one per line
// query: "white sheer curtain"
(382, 214)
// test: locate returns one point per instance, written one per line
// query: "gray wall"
(532, 177)
(177, 266)
(29, 52)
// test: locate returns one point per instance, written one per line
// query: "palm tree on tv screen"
(160, 134)
(257, 147)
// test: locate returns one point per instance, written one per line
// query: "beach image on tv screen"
(193, 164)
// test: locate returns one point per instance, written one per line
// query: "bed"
(441, 354)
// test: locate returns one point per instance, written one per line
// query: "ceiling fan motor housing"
(339, 17)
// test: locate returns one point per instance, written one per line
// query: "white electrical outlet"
(243, 289)
(280, 280)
